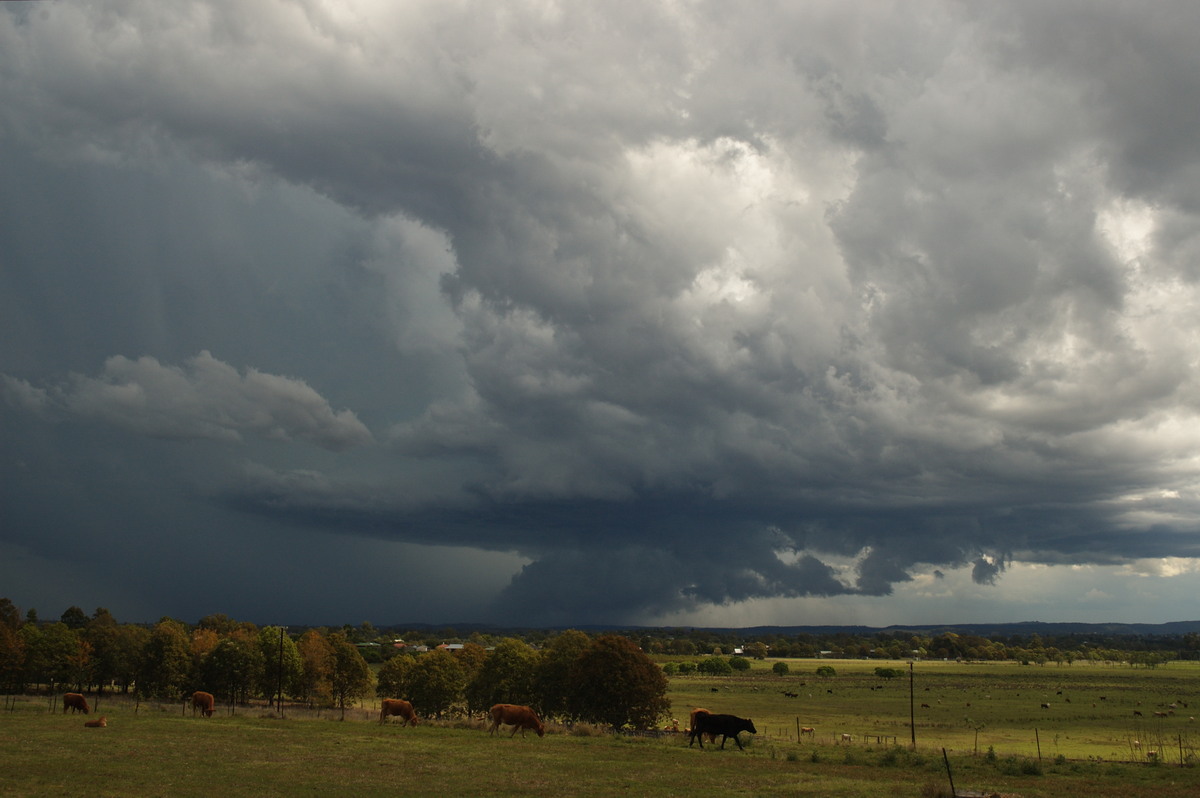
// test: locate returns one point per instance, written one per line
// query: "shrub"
(715, 666)
(739, 663)
(826, 671)
(780, 668)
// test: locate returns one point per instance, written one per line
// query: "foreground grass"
(156, 751)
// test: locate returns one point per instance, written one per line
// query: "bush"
(715, 666)
(739, 663)
(780, 668)
(826, 671)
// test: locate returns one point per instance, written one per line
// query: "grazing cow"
(807, 730)
(204, 702)
(99, 723)
(519, 717)
(76, 703)
(924, 706)
(1137, 713)
(725, 725)
(712, 737)
(1045, 706)
(398, 706)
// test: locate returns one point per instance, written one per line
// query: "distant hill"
(988, 630)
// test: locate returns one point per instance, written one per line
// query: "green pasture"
(154, 749)
(999, 705)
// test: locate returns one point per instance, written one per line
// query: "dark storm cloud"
(684, 307)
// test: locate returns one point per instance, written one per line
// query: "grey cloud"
(206, 398)
(686, 309)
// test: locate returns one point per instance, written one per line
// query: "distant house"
(450, 647)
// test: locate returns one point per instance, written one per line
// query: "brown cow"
(519, 717)
(100, 722)
(398, 706)
(204, 702)
(712, 736)
(75, 702)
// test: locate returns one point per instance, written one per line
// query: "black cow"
(725, 725)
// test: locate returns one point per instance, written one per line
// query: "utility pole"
(280, 694)
(912, 715)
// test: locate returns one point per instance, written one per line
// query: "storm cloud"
(643, 310)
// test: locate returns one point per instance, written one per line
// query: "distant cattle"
(519, 717)
(204, 702)
(97, 723)
(1137, 713)
(400, 707)
(846, 738)
(807, 730)
(76, 703)
(725, 725)
(1045, 706)
(924, 706)
(712, 738)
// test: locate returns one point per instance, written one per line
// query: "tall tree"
(351, 676)
(101, 634)
(232, 669)
(437, 682)
(281, 662)
(316, 668)
(615, 683)
(395, 677)
(164, 667)
(506, 677)
(74, 618)
(553, 681)
(10, 614)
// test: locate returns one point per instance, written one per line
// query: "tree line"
(570, 676)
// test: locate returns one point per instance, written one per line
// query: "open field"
(1091, 711)
(156, 750)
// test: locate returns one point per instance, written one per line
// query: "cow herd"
(521, 718)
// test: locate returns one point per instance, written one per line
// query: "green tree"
(780, 668)
(131, 641)
(553, 681)
(233, 669)
(395, 677)
(826, 671)
(74, 618)
(470, 659)
(437, 683)
(55, 654)
(506, 677)
(281, 663)
(351, 677)
(739, 663)
(102, 635)
(615, 683)
(165, 665)
(10, 614)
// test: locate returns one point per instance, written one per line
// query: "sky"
(562, 313)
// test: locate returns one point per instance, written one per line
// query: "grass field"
(156, 750)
